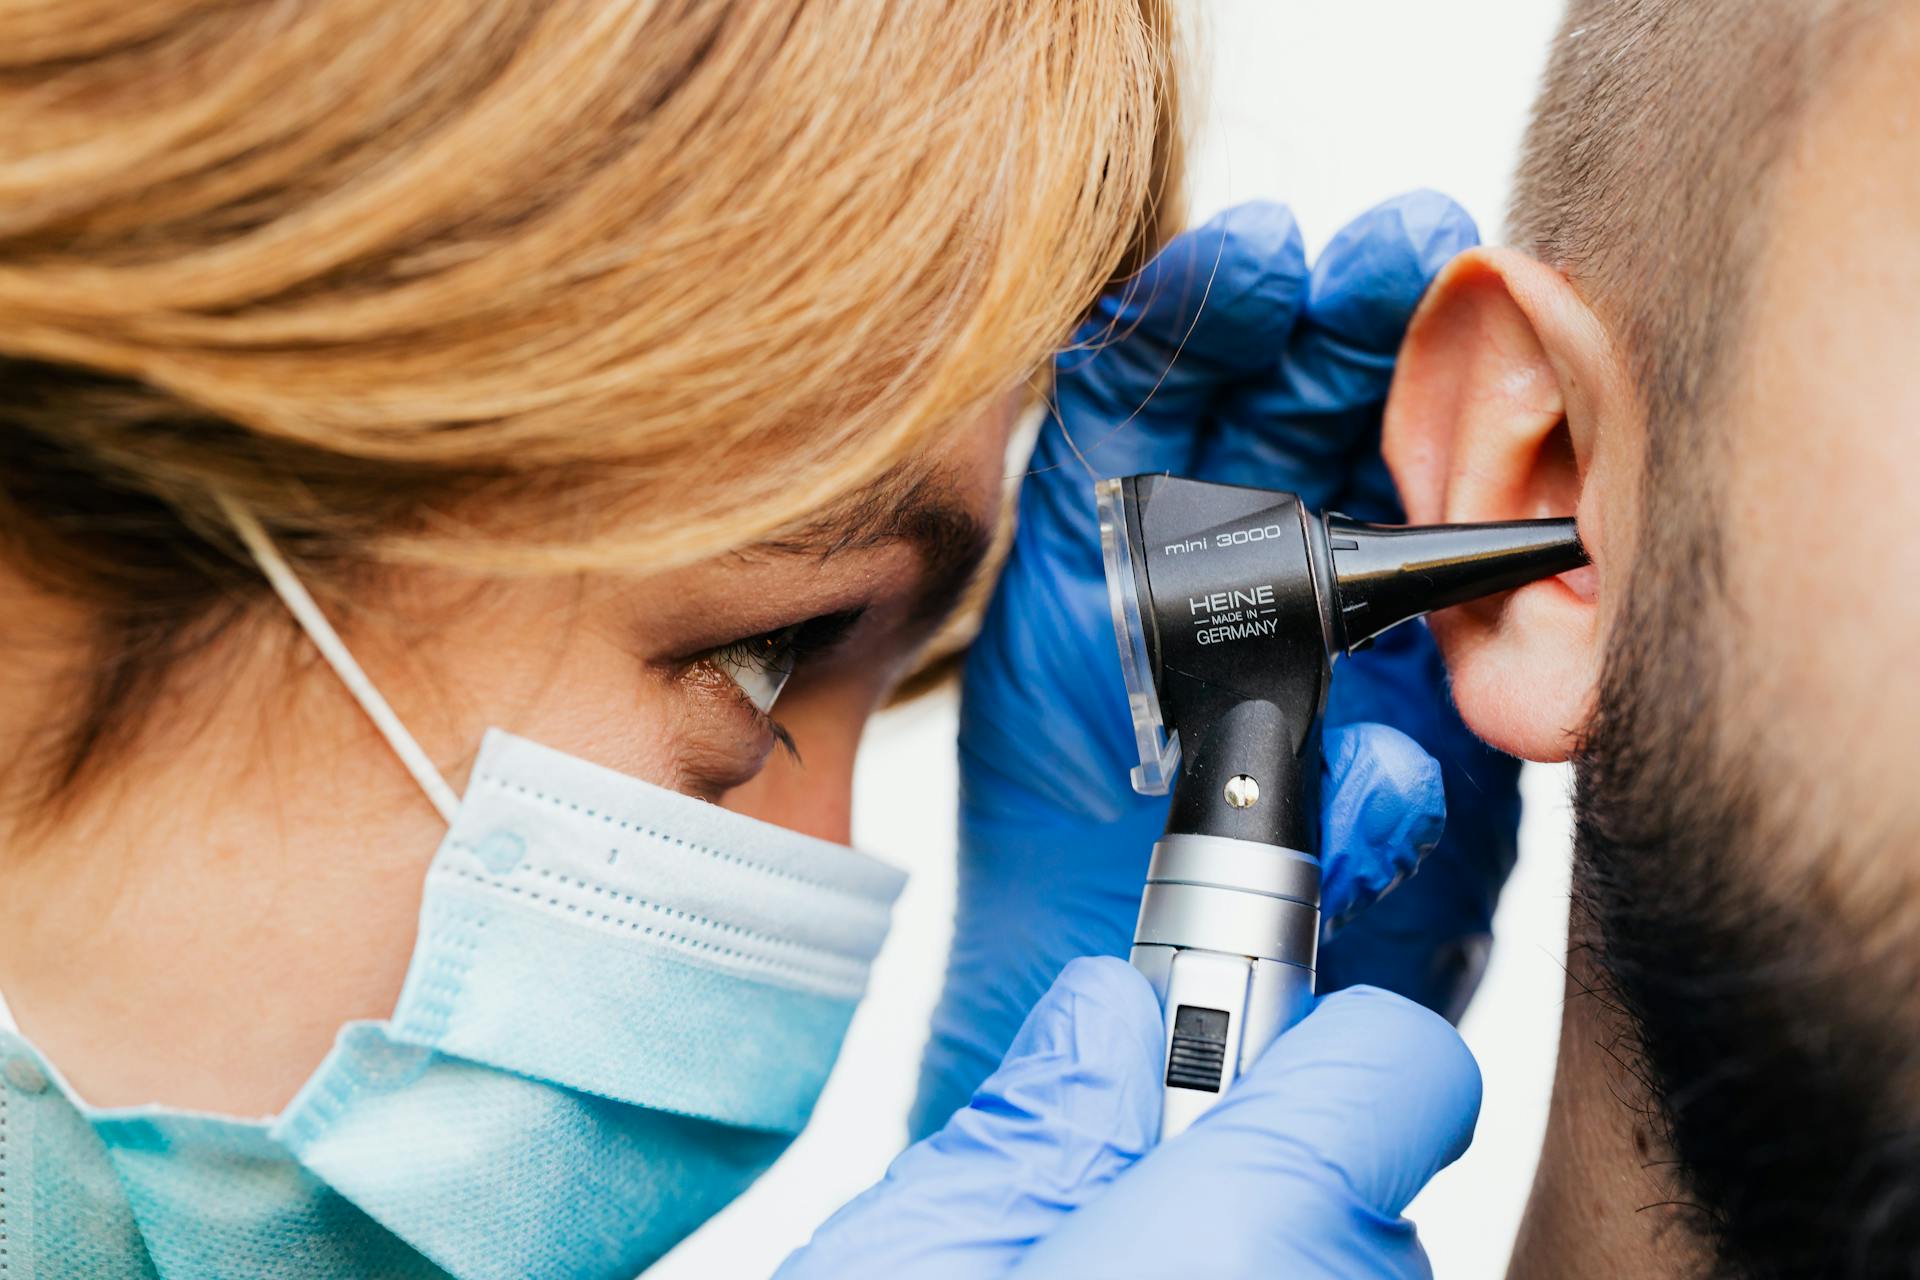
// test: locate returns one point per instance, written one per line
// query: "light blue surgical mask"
(621, 1007)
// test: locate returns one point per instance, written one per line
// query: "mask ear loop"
(281, 577)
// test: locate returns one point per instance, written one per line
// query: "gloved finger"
(1373, 1085)
(1429, 940)
(1076, 1101)
(1412, 945)
(1383, 808)
(1303, 1169)
(1216, 304)
(1316, 410)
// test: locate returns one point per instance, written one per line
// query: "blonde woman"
(435, 433)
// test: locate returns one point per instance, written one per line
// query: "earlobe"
(1503, 382)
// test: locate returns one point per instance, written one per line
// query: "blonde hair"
(534, 284)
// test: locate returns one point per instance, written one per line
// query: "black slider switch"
(1198, 1057)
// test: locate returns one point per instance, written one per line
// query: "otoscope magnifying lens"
(1159, 750)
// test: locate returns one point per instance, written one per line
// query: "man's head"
(1707, 351)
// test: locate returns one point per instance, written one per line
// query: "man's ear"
(1507, 404)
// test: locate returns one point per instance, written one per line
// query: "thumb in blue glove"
(1049, 1173)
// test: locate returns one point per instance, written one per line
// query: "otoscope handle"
(1228, 936)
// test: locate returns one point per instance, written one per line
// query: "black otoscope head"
(1230, 605)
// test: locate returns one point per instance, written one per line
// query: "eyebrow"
(919, 509)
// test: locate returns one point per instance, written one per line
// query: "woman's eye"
(761, 665)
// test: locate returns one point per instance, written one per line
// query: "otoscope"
(1230, 605)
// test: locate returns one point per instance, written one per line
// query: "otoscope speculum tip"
(1386, 574)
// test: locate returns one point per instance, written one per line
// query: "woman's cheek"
(814, 793)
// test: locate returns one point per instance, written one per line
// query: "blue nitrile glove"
(1301, 1170)
(1226, 360)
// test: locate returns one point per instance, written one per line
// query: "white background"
(1331, 107)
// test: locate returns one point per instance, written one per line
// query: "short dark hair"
(1646, 168)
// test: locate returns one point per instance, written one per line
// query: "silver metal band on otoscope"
(1233, 896)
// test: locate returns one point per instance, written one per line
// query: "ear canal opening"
(1554, 486)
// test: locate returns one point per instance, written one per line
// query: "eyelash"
(776, 655)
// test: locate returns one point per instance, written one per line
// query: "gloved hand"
(1301, 1171)
(1226, 360)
